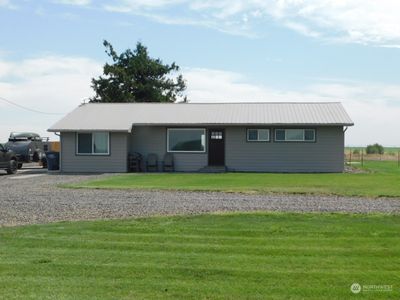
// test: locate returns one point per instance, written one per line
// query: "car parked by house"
(8, 160)
(28, 147)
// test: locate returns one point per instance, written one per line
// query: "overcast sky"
(233, 50)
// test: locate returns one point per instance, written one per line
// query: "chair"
(152, 162)
(134, 162)
(168, 163)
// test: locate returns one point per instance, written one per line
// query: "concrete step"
(213, 169)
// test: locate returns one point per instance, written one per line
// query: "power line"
(28, 108)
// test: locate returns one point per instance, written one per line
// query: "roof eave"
(88, 130)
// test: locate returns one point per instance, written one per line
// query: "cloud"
(302, 29)
(51, 83)
(183, 12)
(74, 2)
(360, 21)
(54, 83)
(7, 4)
(353, 21)
(374, 108)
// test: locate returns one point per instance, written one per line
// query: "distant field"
(388, 150)
(391, 154)
(217, 256)
(382, 179)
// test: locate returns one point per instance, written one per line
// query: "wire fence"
(360, 157)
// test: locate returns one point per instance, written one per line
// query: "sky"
(228, 51)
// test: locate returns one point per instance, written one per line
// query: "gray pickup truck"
(28, 147)
(8, 160)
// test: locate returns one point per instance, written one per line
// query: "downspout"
(60, 163)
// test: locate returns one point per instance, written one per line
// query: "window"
(295, 135)
(186, 140)
(96, 143)
(216, 135)
(257, 135)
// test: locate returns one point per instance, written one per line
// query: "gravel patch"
(26, 199)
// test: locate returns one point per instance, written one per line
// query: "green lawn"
(220, 256)
(382, 181)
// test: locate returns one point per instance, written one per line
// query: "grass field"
(383, 180)
(228, 256)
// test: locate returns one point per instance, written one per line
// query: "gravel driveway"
(32, 197)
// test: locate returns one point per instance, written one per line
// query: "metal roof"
(122, 116)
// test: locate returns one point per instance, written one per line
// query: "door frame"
(210, 140)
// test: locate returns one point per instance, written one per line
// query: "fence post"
(362, 157)
(398, 158)
(350, 158)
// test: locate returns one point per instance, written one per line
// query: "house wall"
(326, 154)
(145, 140)
(115, 162)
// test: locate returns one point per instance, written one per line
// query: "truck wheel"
(13, 167)
(36, 156)
(44, 163)
(19, 166)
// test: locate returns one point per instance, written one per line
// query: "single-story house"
(255, 137)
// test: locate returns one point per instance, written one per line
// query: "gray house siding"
(115, 162)
(147, 140)
(324, 155)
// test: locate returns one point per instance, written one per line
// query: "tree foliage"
(133, 76)
(375, 149)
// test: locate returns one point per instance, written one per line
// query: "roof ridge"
(210, 103)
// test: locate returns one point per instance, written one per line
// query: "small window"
(186, 140)
(96, 143)
(295, 135)
(309, 135)
(100, 143)
(84, 143)
(216, 135)
(279, 134)
(257, 135)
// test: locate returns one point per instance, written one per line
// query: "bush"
(356, 151)
(375, 149)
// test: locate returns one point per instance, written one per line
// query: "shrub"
(375, 149)
(356, 151)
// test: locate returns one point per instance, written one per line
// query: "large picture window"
(95, 143)
(257, 135)
(186, 140)
(295, 135)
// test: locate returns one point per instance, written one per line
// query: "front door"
(216, 147)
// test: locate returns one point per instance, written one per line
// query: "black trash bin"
(53, 160)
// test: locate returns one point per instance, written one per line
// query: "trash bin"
(53, 160)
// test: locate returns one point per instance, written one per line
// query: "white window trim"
(191, 151)
(258, 137)
(302, 141)
(92, 133)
